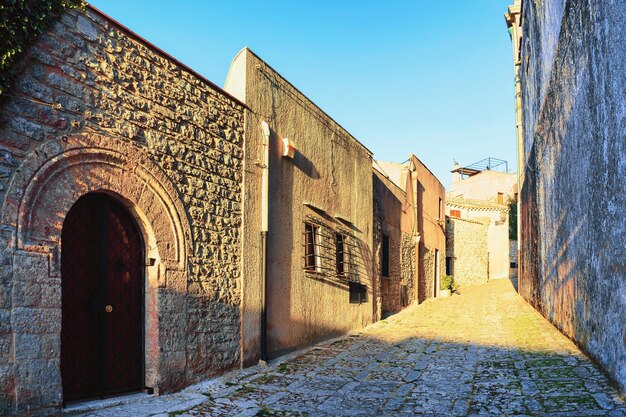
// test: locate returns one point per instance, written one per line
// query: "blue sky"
(433, 78)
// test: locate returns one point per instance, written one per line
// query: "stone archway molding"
(54, 176)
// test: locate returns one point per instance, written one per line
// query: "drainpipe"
(264, 229)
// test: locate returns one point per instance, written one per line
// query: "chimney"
(456, 176)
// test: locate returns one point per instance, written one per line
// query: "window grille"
(331, 253)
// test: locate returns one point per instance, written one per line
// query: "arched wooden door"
(102, 272)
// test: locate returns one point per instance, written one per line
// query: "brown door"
(102, 300)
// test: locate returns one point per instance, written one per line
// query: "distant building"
(409, 206)
(482, 193)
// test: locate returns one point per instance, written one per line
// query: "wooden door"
(102, 274)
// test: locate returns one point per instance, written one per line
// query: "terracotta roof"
(476, 221)
(475, 204)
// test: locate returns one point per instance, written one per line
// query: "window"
(358, 293)
(439, 216)
(455, 213)
(340, 254)
(513, 265)
(312, 260)
(448, 265)
(501, 198)
(385, 256)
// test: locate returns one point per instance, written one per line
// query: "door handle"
(108, 308)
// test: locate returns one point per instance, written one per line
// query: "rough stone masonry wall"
(426, 286)
(88, 81)
(407, 266)
(391, 284)
(572, 264)
(466, 244)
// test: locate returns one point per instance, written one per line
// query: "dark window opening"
(358, 293)
(340, 254)
(513, 264)
(385, 256)
(448, 265)
(439, 216)
(311, 248)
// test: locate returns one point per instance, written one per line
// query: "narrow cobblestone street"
(482, 353)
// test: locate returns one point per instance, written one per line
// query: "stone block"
(26, 294)
(36, 320)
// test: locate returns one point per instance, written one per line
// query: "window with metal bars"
(340, 255)
(312, 260)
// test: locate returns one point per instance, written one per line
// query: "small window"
(439, 216)
(358, 293)
(513, 264)
(340, 254)
(312, 261)
(455, 213)
(501, 198)
(385, 256)
(449, 265)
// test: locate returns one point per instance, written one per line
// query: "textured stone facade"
(97, 109)
(408, 265)
(466, 250)
(572, 72)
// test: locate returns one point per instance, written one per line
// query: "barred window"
(312, 261)
(340, 254)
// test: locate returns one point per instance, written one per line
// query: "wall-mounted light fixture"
(289, 151)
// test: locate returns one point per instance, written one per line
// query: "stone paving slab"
(484, 352)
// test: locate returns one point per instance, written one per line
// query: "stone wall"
(572, 264)
(466, 246)
(97, 109)
(407, 266)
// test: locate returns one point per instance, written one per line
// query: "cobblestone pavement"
(482, 353)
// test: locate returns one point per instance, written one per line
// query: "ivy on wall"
(21, 22)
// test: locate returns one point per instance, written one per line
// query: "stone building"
(571, 62)
(482, 191)
(396, 237)
(409, 207)
(133, 212)
(319, 279)
(478, 240)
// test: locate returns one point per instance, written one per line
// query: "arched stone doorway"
(102, 292)
(38, 199)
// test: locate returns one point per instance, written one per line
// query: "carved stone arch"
(61, 171)
(39, 196)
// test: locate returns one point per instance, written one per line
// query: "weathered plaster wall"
(466, 246)
(97, 109)
(397, 222)
(573, 202)
(430, 196)
(485, 186)
(328, 172)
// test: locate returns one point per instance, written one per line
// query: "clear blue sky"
(429, 77)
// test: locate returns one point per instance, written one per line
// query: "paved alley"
(482, 353)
